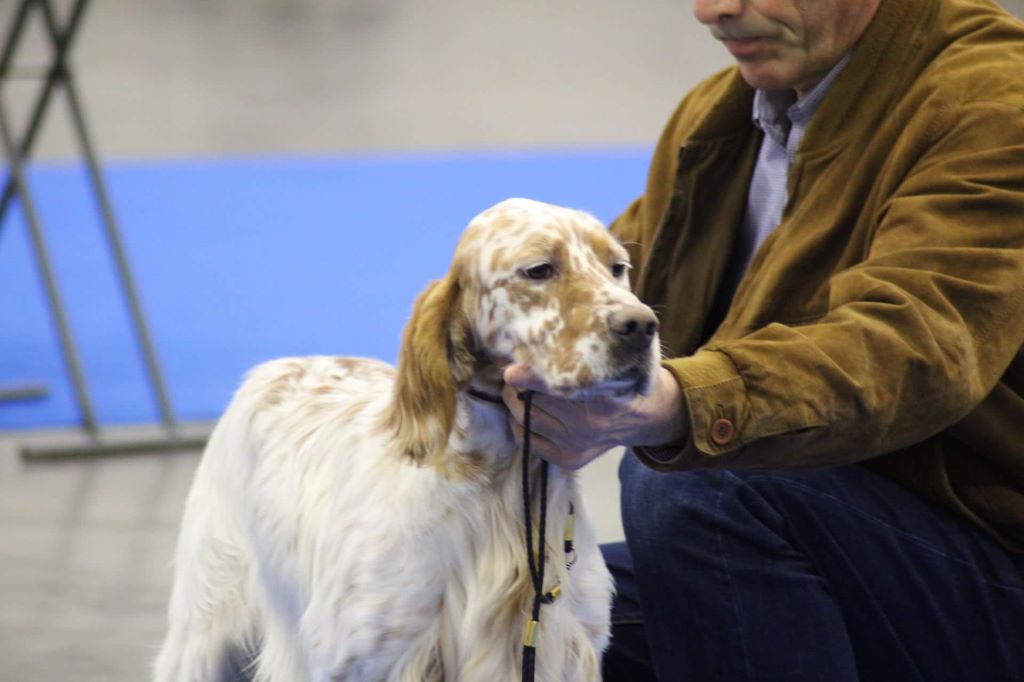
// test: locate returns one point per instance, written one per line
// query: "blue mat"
(240, 261)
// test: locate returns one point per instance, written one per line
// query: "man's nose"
(635, 325)
(710, 11)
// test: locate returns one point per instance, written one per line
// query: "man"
(827, 481)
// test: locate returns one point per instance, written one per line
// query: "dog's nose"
(636, 325)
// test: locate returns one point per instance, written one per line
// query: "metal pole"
(15, 392)
(14, 34)
(124, 270)
(112, 232)
(113, 449)
(43, 259)
(57, 73)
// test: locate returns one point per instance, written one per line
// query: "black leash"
(536, 562)
(486, 397)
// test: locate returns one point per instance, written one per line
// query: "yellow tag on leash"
(530, 634)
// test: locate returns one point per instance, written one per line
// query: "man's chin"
(765, 74)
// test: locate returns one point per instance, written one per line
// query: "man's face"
(781, 44)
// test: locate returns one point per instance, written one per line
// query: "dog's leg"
(207, 616)
(279, 658)
(210, 612)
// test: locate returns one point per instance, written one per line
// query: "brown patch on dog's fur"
(435, 362)
(284, 384)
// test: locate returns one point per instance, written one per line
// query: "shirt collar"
(776, 111)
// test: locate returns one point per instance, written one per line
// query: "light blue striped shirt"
(784, 120)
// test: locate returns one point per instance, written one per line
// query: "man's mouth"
(746, 47)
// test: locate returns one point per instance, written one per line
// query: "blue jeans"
(830, 574)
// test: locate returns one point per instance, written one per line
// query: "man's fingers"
(541, 421)
(564, 432)
(543, 447)
(522, 378)
(515, 406)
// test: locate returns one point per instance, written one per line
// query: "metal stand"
(18, 153)
(26, 391)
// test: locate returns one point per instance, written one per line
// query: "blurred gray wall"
(211, 77)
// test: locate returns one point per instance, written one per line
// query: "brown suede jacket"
(884, 319)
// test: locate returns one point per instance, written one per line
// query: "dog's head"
(532, 283)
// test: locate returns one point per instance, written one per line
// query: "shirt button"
(722, 431)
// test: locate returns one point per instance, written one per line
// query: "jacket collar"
(887, 56)
(776, 112)
(884, 61)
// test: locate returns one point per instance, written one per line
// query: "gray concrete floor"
(85, 546)
(84, 557)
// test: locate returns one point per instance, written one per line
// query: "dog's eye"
(541, 271)
(619, 269)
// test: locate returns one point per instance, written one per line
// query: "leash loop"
(536, 560)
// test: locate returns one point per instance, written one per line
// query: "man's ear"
(435, 361)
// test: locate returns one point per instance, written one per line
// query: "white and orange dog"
(349, 522)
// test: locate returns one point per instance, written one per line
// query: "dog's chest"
(488, 590)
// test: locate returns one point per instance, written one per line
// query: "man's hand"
(571, 434)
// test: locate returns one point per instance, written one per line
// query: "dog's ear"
(435, 361)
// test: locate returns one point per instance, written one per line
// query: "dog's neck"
(481, 433)
(486, 384)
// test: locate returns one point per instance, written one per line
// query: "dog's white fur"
(350, 522)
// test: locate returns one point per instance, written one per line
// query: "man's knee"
(650, 496)
(691, 509)
(658, 507)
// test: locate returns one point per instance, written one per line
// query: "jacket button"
(722, 431)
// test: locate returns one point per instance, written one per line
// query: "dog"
(352, 522)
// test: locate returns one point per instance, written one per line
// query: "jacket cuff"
(716, 399)
(665, 458)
